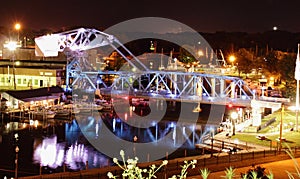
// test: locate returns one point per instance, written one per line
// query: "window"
(24, 81)
(30, 82)
(19, 81)
(36, 82)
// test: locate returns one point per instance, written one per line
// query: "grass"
(272, 132)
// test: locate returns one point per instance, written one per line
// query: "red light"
(230, 105)
(238, 109)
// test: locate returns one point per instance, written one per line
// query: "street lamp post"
(12, 46)
(234, 116)
(18, 27)
(16, 161)
(280, 130)
(17, 153)
(297, 77)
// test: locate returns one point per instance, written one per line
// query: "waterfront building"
(26, 99)
(30, 78)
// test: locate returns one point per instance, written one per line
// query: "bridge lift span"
(168, 83)
(75, 43)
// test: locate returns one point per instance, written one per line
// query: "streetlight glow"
(231, 58)
(12, 45)
(17, 26)
(234, 115)
(200, 53)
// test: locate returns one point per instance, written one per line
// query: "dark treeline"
(269, 40)
(229, 42)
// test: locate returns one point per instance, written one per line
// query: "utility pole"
(297, 77)
(280, 132)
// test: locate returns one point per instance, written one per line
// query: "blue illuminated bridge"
(174, 85)
(135, 78)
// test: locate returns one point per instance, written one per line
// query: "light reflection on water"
(74, 151)
(49, 153)
(53, 154)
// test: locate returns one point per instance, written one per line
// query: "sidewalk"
(278, 168)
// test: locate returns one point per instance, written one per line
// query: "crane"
(74, 43)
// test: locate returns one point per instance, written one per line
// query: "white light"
(8, 103)
(12, 45)
(275, 28)
(36, 122)
(234, 115)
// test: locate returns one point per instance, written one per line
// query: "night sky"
(203, 16)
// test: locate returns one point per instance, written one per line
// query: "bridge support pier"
(232, 89)
(213, 87)
(222, 86)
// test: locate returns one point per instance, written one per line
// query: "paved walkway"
(279, 169)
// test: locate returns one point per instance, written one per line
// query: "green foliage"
(204, 173)
(270, 175)
(132, 171)
(229, 173)
(255, 173)
(296, 164)
(186, 56)
(244, 61)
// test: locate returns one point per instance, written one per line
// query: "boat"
(62, 114)
(104, 105)
(43, 114)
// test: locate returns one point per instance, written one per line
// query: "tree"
(185, 55)
(271, 63)
(244, 61)
(287, 71)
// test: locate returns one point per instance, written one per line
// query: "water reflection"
(74, 152)
(69, 144)
(49, 153)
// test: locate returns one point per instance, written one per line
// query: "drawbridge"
(137, 79)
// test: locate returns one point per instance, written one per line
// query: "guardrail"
(217, 162)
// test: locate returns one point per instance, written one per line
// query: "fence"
(217, 162)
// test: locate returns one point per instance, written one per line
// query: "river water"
(72, 146)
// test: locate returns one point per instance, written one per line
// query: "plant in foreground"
(204, 173)
(296, 164)
(229, 173)
(184, 169)
(257, 172)
(132, 171)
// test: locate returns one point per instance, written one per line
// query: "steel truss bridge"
(137, 80)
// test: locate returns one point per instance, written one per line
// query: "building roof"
(40, 93)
